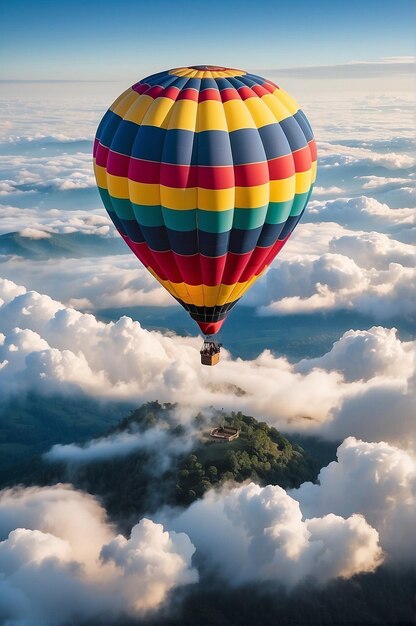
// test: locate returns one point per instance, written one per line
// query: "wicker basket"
(210, 359)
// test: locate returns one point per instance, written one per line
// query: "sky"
(333, 319)
(106, 41)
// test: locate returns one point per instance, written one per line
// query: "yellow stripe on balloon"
(121, 107)
(237, 115)
(278, 108)
(120, 98)
(183, 115)
(118, 186)
(210, 116)
(176, 198)
(289, 102)
(158, 113)
(100, 175)
(303, 181)
(282, 190)
(260, 112)
(144, 193)
(313, 168)
(205, 295)
(138, 109)
(189, 72)
(252, 197)
(216, 199)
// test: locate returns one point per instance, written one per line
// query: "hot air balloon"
(205, 172)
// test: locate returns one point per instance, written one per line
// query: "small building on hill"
(224, 433)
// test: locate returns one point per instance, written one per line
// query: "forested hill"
(181, 466)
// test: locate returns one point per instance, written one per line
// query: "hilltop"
(182, 462)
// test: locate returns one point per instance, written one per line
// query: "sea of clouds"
(61, 559)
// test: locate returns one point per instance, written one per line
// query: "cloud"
(375, 182)
(373, 250)
(61, 561)
(361, 212)
(257, 534)
(49, 348)
(333, 154)
(336, 282)
(384, 67)
(365, 354)
(34, 233)
(375, 480)
(91, 283)
(157, 440)
(327, 191)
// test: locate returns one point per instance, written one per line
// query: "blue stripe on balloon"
(243, 241)
(247, 146)
(110, 128)
(213, 244)
(274, 140)
(269, 234)
(304, 124)
(294, 133)
(290, 225)
(208, 83)
(179, 147)
(214, 148)
(132, 230)
(148, 143)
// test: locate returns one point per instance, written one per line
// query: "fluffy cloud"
(335, 155)
(376, 480)
(53, 349)
(61, 561)
(373, 250)
(261, 535)
(335, 281)
(157, 440)
(365, 354)
(361, 212)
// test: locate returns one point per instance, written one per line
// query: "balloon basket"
(210, 352)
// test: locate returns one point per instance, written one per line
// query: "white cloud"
(365, 354)
(374, 250)
(375, 182)
(52, 349)
(158, 440)
(376, 480)
(335, 281)
(34, 233)
(361, 212)
(61, 561)
(257, 534)
(327, 191)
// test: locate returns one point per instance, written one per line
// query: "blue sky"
(107, 41)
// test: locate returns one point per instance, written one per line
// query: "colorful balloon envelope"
(205, 172)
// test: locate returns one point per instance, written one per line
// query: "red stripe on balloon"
(256, 263)
(189, 267)
(312, 148)
(229, 94)
(281, 167)
(101, 155)
(188, 94)
(234, 267)
(302, 159)
(210, 328)
(212, 269)
(273, 252)
(209, 94)
(140, 87)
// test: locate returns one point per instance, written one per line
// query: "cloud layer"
(49, 348)
(62, 562)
